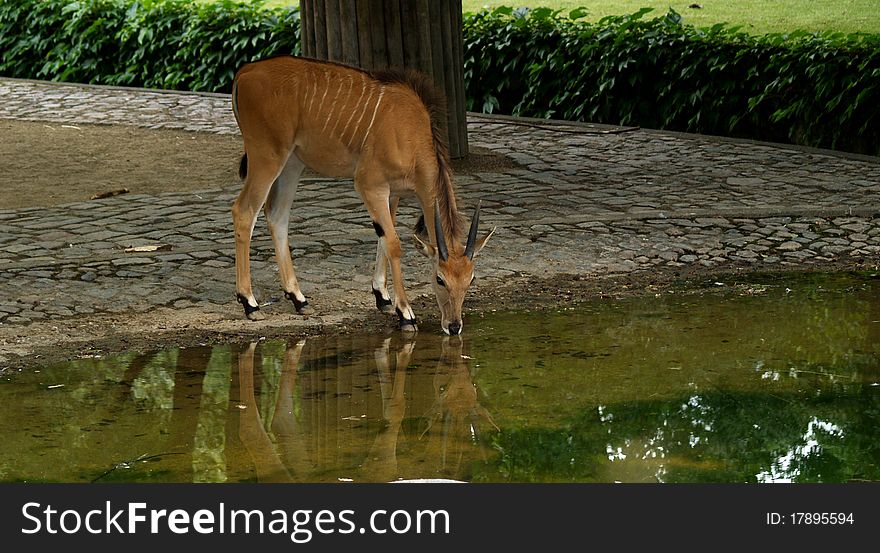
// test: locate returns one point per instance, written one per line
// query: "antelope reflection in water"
(414, 415)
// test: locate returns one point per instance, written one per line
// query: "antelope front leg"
(377, 201)
(379, 285)
(391, 244)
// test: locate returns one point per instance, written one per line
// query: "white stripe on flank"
(372, 119)
(361, 97)
(347, 93)
(333, 105)
(361, 118)
(314, 93)
(326, 89)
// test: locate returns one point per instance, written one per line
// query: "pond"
(766, 378)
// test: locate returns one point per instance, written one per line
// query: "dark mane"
(435, 103)
(420, 84)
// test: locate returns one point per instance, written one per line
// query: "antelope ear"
(424, 248)
(480, 242)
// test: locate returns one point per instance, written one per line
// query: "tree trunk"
(425, 35)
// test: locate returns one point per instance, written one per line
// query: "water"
(765, 379)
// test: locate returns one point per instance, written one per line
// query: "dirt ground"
(51, 164)
(47, 164)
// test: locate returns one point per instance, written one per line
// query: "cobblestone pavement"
(588, 200)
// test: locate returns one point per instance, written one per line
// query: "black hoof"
(382, 304)
(302, 307)
(250, 311)
(406, 325)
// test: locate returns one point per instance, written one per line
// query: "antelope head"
(452, 270)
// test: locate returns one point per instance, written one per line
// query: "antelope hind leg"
(260, 176)
(277, 210)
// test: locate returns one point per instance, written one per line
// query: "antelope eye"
(440, 281)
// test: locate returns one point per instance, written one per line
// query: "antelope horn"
(472, 233)
(438, 234)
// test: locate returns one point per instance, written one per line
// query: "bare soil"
(47, 164)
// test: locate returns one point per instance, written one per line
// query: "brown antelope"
(379, 128)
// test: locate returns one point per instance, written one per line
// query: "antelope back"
(331, 115)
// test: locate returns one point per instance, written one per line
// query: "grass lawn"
(756, 16)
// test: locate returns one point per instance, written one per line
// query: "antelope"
(379, 128)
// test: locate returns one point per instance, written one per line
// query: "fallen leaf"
(154, 248)
(109, 194)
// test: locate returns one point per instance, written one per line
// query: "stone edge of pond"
(39, 345)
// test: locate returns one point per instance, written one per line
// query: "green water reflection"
(766, 379)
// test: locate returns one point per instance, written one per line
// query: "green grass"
(756, 16)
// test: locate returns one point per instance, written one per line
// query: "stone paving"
(588, 200)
